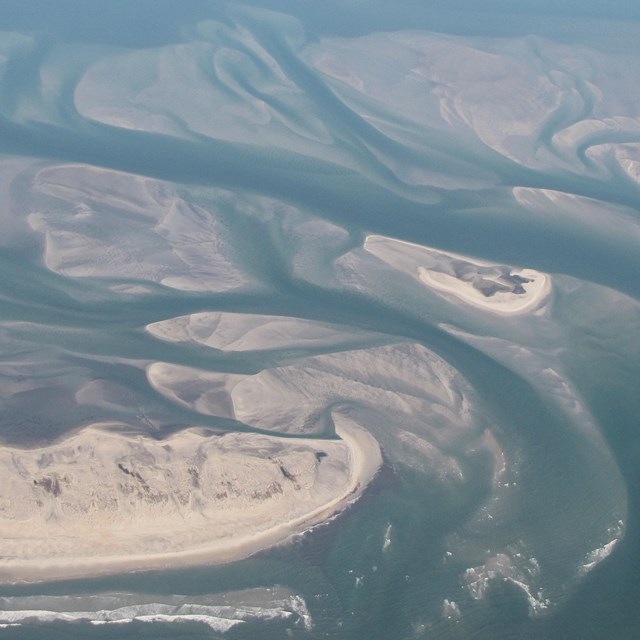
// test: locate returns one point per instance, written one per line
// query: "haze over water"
(258, 163)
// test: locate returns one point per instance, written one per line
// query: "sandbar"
(537, 289)
(102, 502)
(500, 289)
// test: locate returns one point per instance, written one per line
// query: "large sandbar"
(102, 502)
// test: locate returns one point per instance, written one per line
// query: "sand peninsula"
(104, 502)
(496, 288)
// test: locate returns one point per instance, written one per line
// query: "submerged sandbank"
(229, 331)
(102, 502)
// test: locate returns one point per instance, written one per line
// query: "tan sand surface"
(102, 502)
(462, 277)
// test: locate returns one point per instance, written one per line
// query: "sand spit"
(102, 502)
(497, 288)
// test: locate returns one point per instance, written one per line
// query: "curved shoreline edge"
(436, 270)
(538, 292)
(365, 460)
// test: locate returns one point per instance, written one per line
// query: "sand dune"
(102, 502)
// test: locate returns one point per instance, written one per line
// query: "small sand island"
(102, 502)
(497, 288)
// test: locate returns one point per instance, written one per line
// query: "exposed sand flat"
(103, 502)
(237, 92)
(251, 332)
(497, 288)
(477, 88)
(406, 383)
(104, 223)
(416, 405)
(534, 101)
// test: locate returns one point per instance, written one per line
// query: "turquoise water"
(558, 391)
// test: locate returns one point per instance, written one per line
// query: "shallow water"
(159, 163)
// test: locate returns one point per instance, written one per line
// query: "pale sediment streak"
(596, 504)
(614, 224)
(256, 332)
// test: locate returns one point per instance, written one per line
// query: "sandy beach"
(537, 290)
(101, 502)
(501, 289)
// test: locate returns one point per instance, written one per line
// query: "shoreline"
(365, 459)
